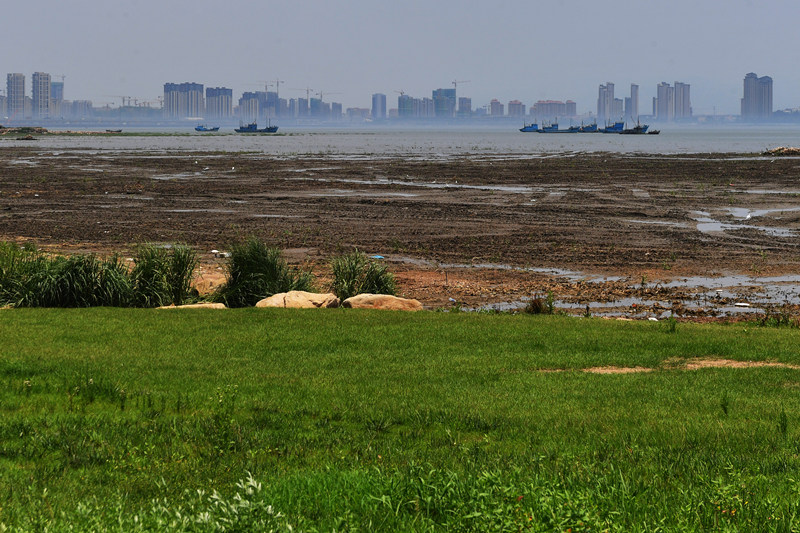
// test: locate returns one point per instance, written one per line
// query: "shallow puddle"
(706, 224)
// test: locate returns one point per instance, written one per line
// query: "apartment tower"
(41, 95)
(15, 96)
(757, 100)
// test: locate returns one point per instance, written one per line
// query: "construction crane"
(401, 92)
(277, 86)
(123, 98)
(456, 82)
(320, 94)
(307, 90)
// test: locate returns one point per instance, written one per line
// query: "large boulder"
(382, 301)
(300, 300)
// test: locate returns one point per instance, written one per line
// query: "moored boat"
(617, 127)
(553, 128)
(203, 127)
(638, 129)
(589, 128)
(527, 128)
(253, 128)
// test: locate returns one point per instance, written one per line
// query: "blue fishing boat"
(553, 128)
(617, 127)
(253, 128)
(527, 128)
(203, 127)
(589, 128)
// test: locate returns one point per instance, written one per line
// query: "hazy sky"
(506, 49)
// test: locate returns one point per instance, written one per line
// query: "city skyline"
(191, 100)
(109, 50)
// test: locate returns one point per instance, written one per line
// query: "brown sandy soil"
(604, 227)
(691, 364)
(682, 364)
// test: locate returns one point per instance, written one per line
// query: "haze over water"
(436, 142)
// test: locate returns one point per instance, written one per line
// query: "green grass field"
(343, 420)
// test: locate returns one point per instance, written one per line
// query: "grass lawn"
(346, 420)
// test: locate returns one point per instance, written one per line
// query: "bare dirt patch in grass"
(681, 364)
(617, 369)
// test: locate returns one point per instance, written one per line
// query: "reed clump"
(354, 273)
(32, 278)
(255, 271)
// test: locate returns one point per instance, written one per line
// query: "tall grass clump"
(255, 271)
(29, 278)
(80, 281)
(15, 264)
(182, 264)
(162, 276)
(355, 273)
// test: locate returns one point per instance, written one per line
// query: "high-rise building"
(405, 106)
(605, 103)
(57, 90)
(664, 103)
(250, 105)
(81, 109)
(219, 102)
(632, 104)
(617, 108)
(757, 99)
(551, 110)
(683, 104)
(444, 102)
(378, 106)
(672, 103)
(15, 96)
(424, 108)
(56, 99)
(183, 100)
(516, 108)
(272, 104)
(464, 106)
(496, 108)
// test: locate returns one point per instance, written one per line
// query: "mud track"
(467, 230)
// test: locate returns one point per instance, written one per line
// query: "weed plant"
(354, 273)
(543, 306)
(255, 271)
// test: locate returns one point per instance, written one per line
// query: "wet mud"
(641, 236)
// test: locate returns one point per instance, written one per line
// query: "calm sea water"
(434, 143)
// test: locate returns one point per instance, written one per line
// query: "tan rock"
(300, 300)
(203, 305)
(382, 301)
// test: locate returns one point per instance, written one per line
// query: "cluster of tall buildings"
(670, 103)
(612, 109)
(191, 100)
(443, 103)
(46, 100)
